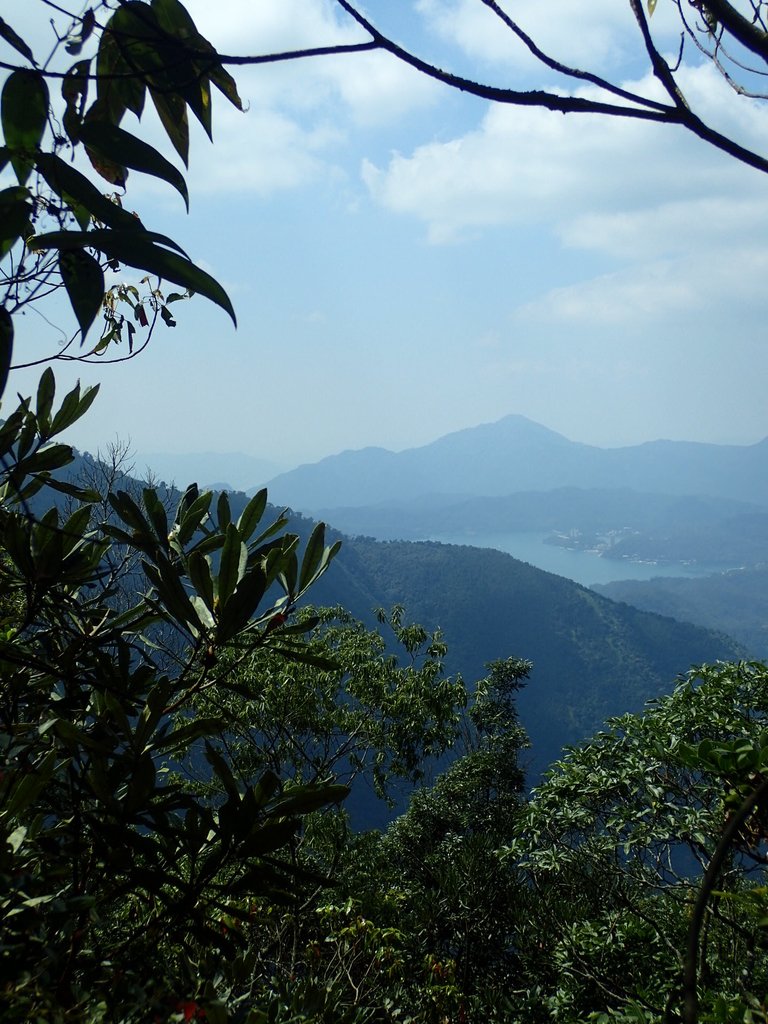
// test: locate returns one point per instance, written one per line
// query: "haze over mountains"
(664, 503)
(592, 657)
(515, 454)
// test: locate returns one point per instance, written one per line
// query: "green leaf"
(223, 511)
(119, 86)
(157, 514)
(199, 570)
(24, 112)
(265, 789)
(651, 7)
(74, 43)
(137, 249)
(242, 605)
(6, 346)
(120, 147)
(84, 283)
(234, 557)
(46, 392)
(175, 19)
(128, 511)
(15, 40)
(16, 838)
(251, 515)
(192, 511)
(172, 594)
(313, 553)
(187, 734)
(304, 799)
(73, 407)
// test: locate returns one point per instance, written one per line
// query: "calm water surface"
(582, 566)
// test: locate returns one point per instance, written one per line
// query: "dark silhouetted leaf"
(74, 92)
(172, 111)
(6, 346)
(15, 40)
(114, 144)
(72, 185)
(84, 281)
(15, 211)
(24, 111)
(138, 250)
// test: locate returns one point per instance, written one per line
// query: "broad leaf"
(117, 146)
(138, 250)
(15, 212)
(172, 111)
(234, 557)
(74, 92)
(14, 39)
(251, 515)
(70, 184)
(24, 112)
(84, 282)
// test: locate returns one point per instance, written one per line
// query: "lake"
(584, 567)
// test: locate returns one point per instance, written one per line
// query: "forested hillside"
(736, 602)
(591, 658)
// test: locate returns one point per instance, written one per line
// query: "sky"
(406, 261)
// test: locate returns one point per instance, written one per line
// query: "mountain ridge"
(516, 454)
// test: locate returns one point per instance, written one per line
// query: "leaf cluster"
(58, 228)
(115, 872)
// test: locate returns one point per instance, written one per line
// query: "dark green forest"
(194, 692)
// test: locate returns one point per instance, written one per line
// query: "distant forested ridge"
(736, 602)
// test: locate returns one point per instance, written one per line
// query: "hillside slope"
(592, 657)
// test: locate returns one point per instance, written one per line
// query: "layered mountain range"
(516, 454)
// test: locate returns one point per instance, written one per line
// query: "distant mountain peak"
(517, 454)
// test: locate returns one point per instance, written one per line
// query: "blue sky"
(406, 261)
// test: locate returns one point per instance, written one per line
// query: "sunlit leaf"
(251, 515)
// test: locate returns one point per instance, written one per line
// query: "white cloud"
(696, 291)
(522, 165)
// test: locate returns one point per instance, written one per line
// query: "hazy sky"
(406, 261)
